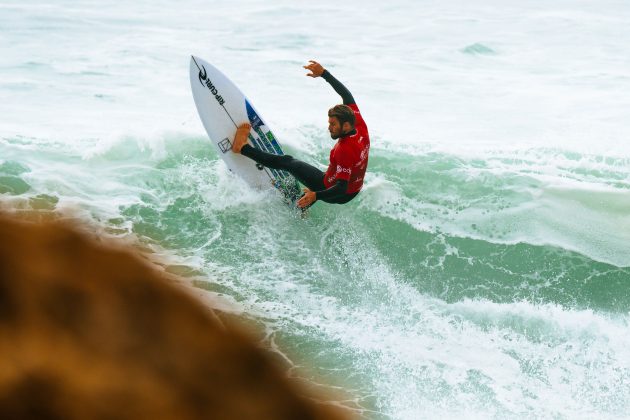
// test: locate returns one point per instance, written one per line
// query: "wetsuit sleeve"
(339, 189)
(339, 88)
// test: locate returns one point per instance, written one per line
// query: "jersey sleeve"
(359, 123)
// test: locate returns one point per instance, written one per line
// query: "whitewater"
(484, 270)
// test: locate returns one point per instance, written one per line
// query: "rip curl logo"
(205, 81)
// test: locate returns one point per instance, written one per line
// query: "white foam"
(428, 357)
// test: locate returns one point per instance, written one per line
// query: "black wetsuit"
(307, 174)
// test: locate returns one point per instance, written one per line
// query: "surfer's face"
(334, 127)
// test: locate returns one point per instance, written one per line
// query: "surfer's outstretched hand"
(307, 199)
(315, 68)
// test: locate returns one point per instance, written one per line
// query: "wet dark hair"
(343, 113)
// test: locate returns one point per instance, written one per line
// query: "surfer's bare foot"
(240, 138)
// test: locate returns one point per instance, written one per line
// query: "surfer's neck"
(348, 134)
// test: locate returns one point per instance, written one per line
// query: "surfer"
(343, 179)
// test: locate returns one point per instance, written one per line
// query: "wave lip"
(478, 49)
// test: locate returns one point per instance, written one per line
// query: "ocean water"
(483, 272)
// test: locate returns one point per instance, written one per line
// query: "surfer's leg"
(269, 160)
(266, 159)
(307, 174)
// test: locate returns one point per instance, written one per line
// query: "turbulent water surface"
(483, 272)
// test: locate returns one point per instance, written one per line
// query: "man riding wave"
(343, 179)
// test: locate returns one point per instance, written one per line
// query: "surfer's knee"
(286, 160)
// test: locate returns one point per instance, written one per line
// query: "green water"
(450, 279)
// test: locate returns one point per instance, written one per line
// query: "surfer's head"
(340, 120)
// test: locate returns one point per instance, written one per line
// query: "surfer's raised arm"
(317, 70)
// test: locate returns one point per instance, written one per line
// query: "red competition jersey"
(349, 156)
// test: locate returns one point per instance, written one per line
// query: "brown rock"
(94, 332)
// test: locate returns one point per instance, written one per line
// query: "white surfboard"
(222, 108)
